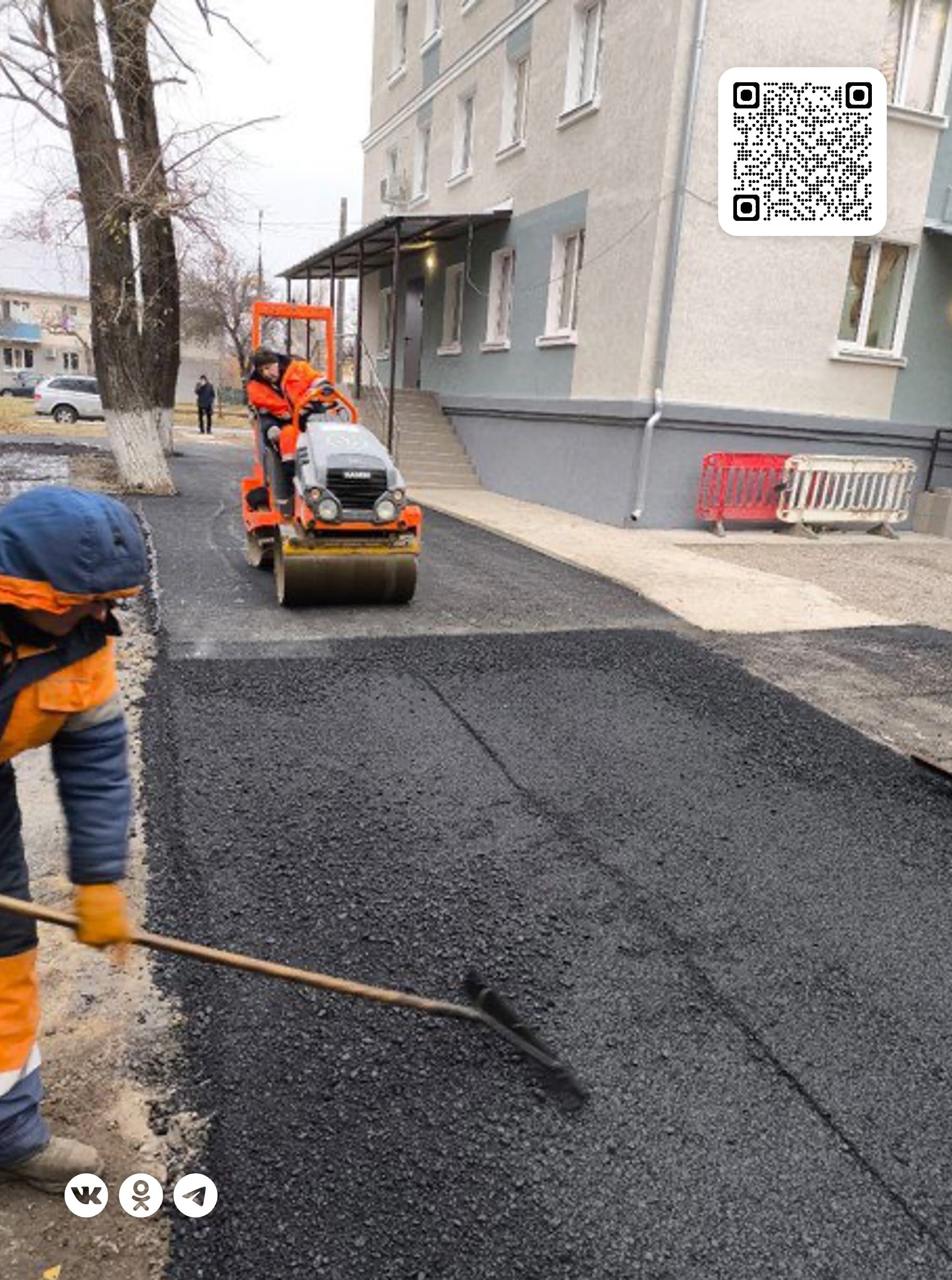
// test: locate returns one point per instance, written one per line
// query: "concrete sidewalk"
(750, 583)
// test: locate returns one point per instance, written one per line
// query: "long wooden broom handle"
(234, 960)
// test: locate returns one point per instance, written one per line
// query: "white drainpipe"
(671, 265)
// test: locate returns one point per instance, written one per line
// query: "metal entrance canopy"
(372, 247)
(376, 246)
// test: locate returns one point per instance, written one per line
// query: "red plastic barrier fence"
(740, 486)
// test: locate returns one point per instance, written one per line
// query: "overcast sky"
(313, 72)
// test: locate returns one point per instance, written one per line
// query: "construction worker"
(275, 385)
(66, 557)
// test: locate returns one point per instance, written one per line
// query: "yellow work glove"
(101, 914)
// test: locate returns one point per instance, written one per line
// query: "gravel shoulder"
(105, 1034)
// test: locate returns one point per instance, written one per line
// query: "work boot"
(51, 1169)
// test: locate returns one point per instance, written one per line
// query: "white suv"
(68, 398)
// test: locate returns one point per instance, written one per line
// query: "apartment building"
(569, 280)
(45, 318)
(43, 333)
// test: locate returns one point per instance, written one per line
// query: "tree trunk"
(127, 25)
(133, 437)
(112, 282)
(163, 425)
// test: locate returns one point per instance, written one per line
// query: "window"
(561, 321)
(515, 104)
(465, 120)
(452, 343)
(913, 52)
(585, 54)
(434, 21)
(392, 191)
(873, 315)
(400, 20)
(386, 319)
(28, 358)
(71, 360)
(499, 311)
(8, 357)
(421, 175)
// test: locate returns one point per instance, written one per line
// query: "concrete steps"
(428, 449)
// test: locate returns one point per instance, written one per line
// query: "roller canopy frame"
(296, 311)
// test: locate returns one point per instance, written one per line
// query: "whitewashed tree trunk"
(138, 451)
(163, 425)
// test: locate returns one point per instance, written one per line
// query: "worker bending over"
(275, 385)
(66, 557)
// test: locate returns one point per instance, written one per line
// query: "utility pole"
(260, 270)
(341, 298)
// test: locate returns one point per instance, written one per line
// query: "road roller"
(325, 507)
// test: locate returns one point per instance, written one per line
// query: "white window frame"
(557, 334)
(845, 350)
(385, 317)
(501, 294)
(398, 56)
(462, 169)
(908, 31)
(579, 96)
(433, 26)
(515, 122)
(454, 291)
(71, 361)
(421, 161)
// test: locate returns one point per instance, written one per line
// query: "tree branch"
(208, 14)
(216, 137)
(20, 95)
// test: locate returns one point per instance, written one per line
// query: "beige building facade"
(43, 333)
(542, 334)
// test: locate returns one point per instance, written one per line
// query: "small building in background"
(44, 310)
(45, 319)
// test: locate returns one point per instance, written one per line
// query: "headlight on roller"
(398, 495)
(328, 509)
(385, 510)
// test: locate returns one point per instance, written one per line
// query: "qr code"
(802, 151)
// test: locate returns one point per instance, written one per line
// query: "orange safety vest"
(41, 709)
(295, 381)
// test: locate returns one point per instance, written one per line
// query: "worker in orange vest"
(276, 385)
(66, 558)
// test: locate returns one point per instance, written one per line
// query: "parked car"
(68, 398)
(21, 383)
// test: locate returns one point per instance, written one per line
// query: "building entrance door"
(413, 332)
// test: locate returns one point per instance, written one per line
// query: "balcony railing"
(18, 331)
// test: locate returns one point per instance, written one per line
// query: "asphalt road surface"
(729, 913)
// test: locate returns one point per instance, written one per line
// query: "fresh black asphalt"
(730, 914)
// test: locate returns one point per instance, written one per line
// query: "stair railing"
(374, 401)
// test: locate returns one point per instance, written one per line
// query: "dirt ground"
(107, 1038)
(910, 579)
(18, 419)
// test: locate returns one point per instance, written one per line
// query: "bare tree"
(121, 340)
(217, 292)
(84, 66)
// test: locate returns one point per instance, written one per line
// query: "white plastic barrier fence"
(829, 489)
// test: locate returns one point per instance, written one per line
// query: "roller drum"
(309, 578)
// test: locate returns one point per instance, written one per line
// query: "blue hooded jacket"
(61, 547)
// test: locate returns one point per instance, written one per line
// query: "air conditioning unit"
(394, 189)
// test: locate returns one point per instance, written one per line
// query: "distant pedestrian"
(205, 398)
